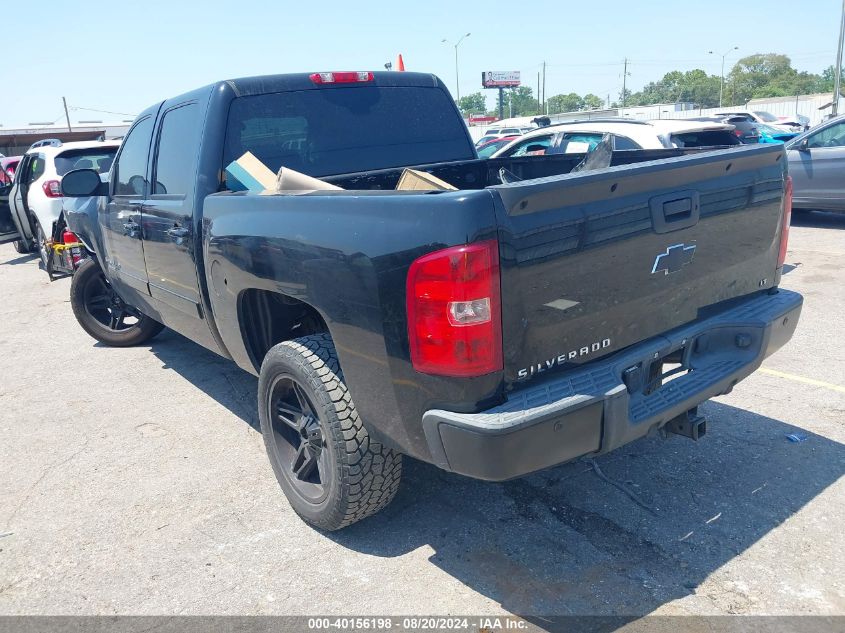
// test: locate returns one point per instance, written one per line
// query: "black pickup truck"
(493, 330)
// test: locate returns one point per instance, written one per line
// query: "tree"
(695, 86)
(564, 103)
(768, 75)
(592, 102)
(474, 103)
(826, 79)
(625, 98)
(523, 100)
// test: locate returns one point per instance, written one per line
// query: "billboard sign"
(500, 78)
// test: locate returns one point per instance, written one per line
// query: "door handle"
(177, 233)
(130, 228)
(674, 211)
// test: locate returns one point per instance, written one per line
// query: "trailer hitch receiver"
(689, 424)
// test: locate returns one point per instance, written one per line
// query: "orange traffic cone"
(400, 64)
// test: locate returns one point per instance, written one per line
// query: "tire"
(41, 248)
(103, 314)
(22, 247)
(351, 475)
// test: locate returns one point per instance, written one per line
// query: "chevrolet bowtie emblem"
(675, 258)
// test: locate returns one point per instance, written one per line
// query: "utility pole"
(539, 103)
(544, 86)
(624, 84)
(837, 78)
(67, 116)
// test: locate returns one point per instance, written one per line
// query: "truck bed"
(590, 262)
(481, 173)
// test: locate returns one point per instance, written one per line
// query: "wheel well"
(268, 318)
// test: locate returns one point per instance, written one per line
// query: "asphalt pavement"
(134, 481)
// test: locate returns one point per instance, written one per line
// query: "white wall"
(807, 105)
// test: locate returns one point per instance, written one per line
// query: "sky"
(123, 56)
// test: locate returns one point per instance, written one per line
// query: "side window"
(36, 169)
(532, 146)
(178, 143)
(575, 142)
(131, 167)
(833, 136)
(623, 142)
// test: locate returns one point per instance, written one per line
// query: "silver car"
(817, 167)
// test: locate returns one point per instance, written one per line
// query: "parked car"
(486, 139)
(761, 116)
(488, 147)
(36, 197)
(817, 166)
(771, 134)
(46, 142)
(745, 128)
(796, 121)
(490, 330)
(582, 136)
(499, 132)
(8, 165)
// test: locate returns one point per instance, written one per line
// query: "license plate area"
(666, 368)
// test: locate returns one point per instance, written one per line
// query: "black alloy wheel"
(298, 439)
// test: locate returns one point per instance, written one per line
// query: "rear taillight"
(787, 217)
(738, 133)
(73, 254)
(454, 311)
(52, 188)
(341, 77)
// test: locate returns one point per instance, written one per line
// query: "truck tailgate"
(597, 261)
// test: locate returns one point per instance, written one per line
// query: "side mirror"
(803, 146)
(82, 183)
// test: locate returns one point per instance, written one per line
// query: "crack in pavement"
(47, 471)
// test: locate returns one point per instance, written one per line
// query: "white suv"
(36, 195)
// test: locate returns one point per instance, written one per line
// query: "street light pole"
(457, 75)
(837, 78)
(722, 77)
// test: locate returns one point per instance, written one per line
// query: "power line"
(100, 111)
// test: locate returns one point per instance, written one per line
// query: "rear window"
(98, 158)
(344, 130)
(485, 139)
(623, 142)
(704, 139)
(488, 150)
(768, 117)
